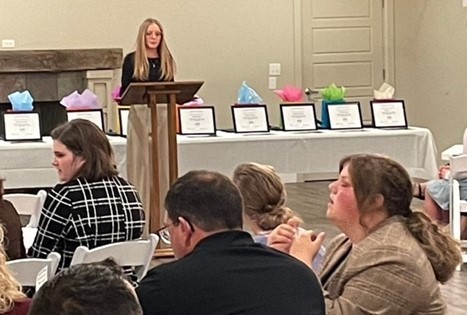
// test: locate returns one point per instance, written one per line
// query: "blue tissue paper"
(246, 95)
(21, 101)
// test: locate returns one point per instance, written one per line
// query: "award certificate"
(388, 114)
(345, 115)
(197, 120)
(22, 126)
(297, 117)
(250, 118)
(93, 115)
(123, 120)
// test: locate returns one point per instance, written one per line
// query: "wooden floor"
(310, 201)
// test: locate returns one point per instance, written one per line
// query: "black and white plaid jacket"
(90, 214)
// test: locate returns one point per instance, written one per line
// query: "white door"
(342, 42)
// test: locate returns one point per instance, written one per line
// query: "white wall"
(431, 65)
(221, 42)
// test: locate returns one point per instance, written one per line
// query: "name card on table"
(197, 120)
(123, 120)
(93, 115)
(388, 114)
(298, 117)
(250, 118)
(22, 126)
(345, 116)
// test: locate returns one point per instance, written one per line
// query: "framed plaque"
(197, 120)
(250, 118)
(123, 120)
(388, 114)
(298, 117)
(94, 115)
(22, 126)
(346, 115)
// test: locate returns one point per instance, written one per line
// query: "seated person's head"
(263, 195)
(81, 149)
(87, 289)
(198, 204)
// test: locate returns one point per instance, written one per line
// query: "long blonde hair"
(10, 288)
(141, 70)
(263, 195)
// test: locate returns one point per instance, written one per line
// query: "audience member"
(151, 61)
(220, 269)
(92, 206)
(9, 218)
(12, 300)
(435, 194)
(87, 289)
(389, 259)
(264, 203)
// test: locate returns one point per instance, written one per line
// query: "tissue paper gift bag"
(325, 113)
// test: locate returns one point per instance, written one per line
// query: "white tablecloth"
(29, 164)
(315, 154)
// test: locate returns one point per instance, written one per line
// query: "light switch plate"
(272, 83)
(274, 69)
(464, 3)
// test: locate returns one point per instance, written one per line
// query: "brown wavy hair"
(263, 195)
(141, 70)
(10, 288)
(86, 140)
(374, 175)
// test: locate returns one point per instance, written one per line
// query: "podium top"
(137, 92)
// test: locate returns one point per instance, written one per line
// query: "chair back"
(28, 204)
(25, 270)
(136, 253)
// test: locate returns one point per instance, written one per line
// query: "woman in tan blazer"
(389, 259)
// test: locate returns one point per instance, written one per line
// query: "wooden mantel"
(59, 60)
(51, 74)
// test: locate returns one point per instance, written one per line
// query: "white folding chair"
(28, 204)
(136, 253)
(25, 270)
(458, 170)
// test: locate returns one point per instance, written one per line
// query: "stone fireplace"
(50, 75)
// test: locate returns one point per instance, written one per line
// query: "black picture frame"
(184, 130)
(397, 105)
(334, 125)
(286, 127)
(259, 108)
(81, 113)
(35, 134)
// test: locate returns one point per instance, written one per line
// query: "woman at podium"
(152, 61)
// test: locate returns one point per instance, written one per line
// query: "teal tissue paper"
(21, 101)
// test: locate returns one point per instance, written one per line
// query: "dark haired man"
(87, 289)
(220, 270)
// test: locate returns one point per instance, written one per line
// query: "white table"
(315, 154)
(29, 164)
(294, 155)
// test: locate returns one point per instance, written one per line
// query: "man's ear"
(185, 229)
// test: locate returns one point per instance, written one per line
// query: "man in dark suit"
(220, 270)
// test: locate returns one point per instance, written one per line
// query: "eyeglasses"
(164, 233)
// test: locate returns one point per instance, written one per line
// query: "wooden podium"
(152, 93)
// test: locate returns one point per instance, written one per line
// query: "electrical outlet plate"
(8, 43)
(272, 83)
(274, 69)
